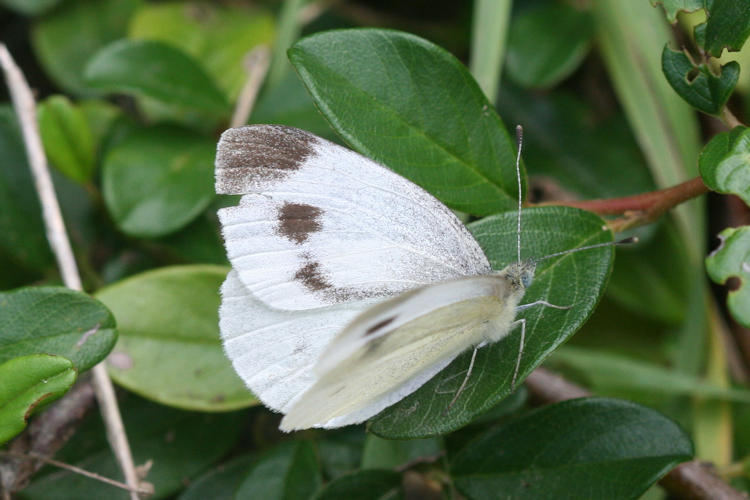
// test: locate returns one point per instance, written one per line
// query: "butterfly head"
(520, 274)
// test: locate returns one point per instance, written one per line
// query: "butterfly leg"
(540, 303)
(466, 378)
(520, 352)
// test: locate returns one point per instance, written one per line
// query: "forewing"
(397, 360)
(274, 351)
(321, 225)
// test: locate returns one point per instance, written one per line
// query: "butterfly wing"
(321, 225)
(274, 351)
(391, 349)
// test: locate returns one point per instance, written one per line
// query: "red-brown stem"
(641, 208)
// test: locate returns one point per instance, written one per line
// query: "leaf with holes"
(576, 279)
(673, 7)
(697, 84)
(732, 260)
(29, 382)
(728, 26)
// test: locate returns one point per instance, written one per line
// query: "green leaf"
(725, 163)
(28, 382)
(55, 320)
(169, 348)
(697, 84)
(29, 7)
(732, 260)
(672, 7)
(728, 26)
(219, 36)
(489, 32)
(100, 116)
(221, 482)
(576, 279)
(288, 471)
(157, 71)
(340, 450)
(412, 106)
(608, 372)
(363, 485)
(547, 43)
(179, 444)
(68, 140)
(23, 244)
(382, 453)
(64, 40)
(158, 179)
(582, 448)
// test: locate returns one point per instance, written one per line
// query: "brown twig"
(256, 65)
(83, 472)
(642, 208)
(25, 107)
(692, 480)
(45, 435)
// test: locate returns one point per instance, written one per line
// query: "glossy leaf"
(68, 140)
(576, 279)
(586, 444)
(673, 7)
(732, 261)
(29, 7)
(728, 26)
(606, 372)
(157, 71)
(65, 39)
(220, 482)
(412, 106)
(179, 444)
(288, 471)
(158, 179)
(23, 244)
(547, 43)
(29, 382)
(725, 163)
(55, 320)
(363, 485)
(169, 348)
(218, 36)
(704, 90)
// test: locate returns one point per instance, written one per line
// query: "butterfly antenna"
(519, 145)
(624, 241)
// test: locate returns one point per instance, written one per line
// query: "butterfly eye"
(527, 278)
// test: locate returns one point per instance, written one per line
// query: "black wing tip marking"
(247, 156)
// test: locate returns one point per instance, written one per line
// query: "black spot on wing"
(298, 220)
(247, 156)
(379, 325)
(311, 276)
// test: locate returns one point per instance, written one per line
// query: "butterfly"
(350, 286)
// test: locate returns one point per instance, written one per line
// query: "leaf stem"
(25, 108)
(728, 117)
(642, 208)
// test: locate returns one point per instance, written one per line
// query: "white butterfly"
(351, 286)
